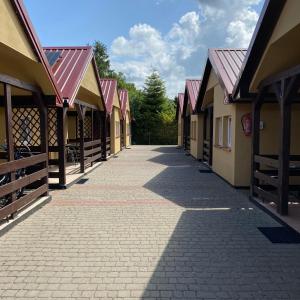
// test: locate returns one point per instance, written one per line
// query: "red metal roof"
(191, 90)
(109, 88)
(123, 95)
(69, 68)
(29, 29)
(227, 64)
(180, 102)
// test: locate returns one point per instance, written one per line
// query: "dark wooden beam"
(256, 108)
(27, 101)
(284, 156)
(294, 71)
(81, 144)
(61, 124)
(44, 133)
(18, 83)
(103, 135)
(9, 133)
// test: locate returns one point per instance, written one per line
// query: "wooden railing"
(187, 142)
(122, 140)
(34, 183)
(92, 151)
(266, 183)
(207, 151)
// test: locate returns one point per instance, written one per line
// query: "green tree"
(156, 113)
(152, 112)
(102, 59)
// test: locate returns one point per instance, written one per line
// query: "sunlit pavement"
(147, 225)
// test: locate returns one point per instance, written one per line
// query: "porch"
(275, 152)
(23, 138)
(75, 142)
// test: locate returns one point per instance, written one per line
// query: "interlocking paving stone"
(147, 225)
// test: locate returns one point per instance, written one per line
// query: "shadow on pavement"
(216, 250)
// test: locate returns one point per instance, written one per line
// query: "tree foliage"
(152, 112)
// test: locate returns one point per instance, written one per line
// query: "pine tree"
(154, 101)
(154, 93)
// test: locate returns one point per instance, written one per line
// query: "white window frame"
(229, 132)
(220, 131)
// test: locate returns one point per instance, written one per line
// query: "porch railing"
(265, 182)
(207, 151)
(34, 182)
(92, 151)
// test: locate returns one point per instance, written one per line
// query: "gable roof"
(227, 64)
(35, 42)
(266, 24)
(109, 88)
(192, 87)
(69, 65)
(123, 95)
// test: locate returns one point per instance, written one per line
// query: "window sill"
(227, 149)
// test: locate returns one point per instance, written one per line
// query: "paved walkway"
(147, 225)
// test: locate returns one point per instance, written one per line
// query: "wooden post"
(9, 133)
(61, 123)
(103, 135)
(44, 133)
(284, 158)
(255, 140)
(211, 133)
(92, 129)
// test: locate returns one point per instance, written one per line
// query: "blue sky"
(170, 36)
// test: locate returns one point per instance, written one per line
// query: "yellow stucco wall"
(241, 147)
(281, 45)
(197, 143)
(18, 58)
(127, 132)
(89, 91)
(12, 33)
(223, 160)
(3, 126)
(115, 141)
(269, 135)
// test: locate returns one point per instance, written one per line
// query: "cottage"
(179, 117)
(126, 119)
(76, 130)
(192, 120)
(27, 86)
(113, 115)
(227, 144)
(271, 80)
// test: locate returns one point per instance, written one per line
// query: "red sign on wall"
(247, 124)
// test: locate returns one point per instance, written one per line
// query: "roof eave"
(262, 34)
(29, 30)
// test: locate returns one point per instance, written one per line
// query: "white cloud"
(181, 52)
(241, 29)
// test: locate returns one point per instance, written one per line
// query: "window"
(224, 132)
(128, 129)
(219, 132)
(193, 130)
(227, 131)
(118, 129)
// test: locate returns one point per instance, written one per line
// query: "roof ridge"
(67, 47)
